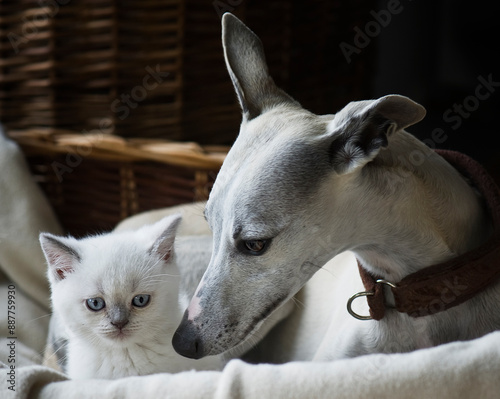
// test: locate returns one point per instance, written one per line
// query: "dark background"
(435, 53)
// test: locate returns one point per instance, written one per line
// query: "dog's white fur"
(314, 187)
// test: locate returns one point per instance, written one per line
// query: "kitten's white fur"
(116, 267)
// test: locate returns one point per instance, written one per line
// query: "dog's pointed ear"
(246, 64)
(362, 129)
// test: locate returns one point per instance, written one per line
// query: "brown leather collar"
(445, 285)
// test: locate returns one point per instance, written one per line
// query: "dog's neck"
(418, 211)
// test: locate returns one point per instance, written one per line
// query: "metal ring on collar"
(380, 281)
(365, 293)
(349, 305)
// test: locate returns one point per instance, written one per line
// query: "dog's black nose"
(187, 342)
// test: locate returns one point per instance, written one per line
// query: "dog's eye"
(95, 304)
(255, 247)
(141, 300)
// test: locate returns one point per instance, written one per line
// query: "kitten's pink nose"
(118, 316)
(119, 323)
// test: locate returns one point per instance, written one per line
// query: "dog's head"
(281, 188)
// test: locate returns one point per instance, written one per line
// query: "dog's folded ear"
(362, 129)
(246, 64)
(401, 110)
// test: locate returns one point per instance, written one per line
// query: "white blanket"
(457, 370)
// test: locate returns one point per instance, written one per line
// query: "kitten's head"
(114, 287)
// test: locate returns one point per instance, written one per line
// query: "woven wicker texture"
(78, 64)
(154, 68)
(95, 92)
(94, 181)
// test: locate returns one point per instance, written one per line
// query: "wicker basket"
(94, 181)
(97, 91)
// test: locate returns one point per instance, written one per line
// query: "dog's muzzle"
(186, 340)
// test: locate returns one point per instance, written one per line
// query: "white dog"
(297, 189)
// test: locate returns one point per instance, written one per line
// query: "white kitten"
(115, 300)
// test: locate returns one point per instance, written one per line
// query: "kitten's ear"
(164, 240)
(60, 254)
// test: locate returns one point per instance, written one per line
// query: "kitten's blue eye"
(141, 300)
(95, 304)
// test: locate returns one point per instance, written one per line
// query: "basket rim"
(105, 146)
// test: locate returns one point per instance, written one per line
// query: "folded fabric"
(457, 370)
(24, 213)
(460, 369)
